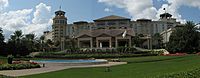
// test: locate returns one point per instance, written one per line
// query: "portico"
(105, 39)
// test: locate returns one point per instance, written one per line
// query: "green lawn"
(138, 67)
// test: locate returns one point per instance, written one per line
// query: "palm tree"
(17, 36)
(1, 36)
(30, 37)
(29, 40)
(2, 43)
(42, 42)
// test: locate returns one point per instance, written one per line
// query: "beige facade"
(48, 35)
(149, 27)
(107, 31)
(59, 26)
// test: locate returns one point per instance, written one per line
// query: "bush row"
(75, 56)
(104, 50)
(18, 66)
(195, 73)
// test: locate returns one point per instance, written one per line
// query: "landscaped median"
(18, 66)
(108, 53)
(83, 56)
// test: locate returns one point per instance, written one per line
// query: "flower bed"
(198, 53)
(19, 65)
(1, 62)
(176, 54)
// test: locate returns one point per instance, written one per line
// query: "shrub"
(10, 58)
(75, 56)
(195, 73)
(18, 66)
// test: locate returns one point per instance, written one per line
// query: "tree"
(138, 41)
(17, 35)
(2, 43)
(42, 42)
(15, 45)
(29, 41)
(184, 39)
(1, 36)
(157, 40)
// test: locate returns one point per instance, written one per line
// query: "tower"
(165, 16)
(59, 28)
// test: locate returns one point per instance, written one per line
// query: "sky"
(35, 16)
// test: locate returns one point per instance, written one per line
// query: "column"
(61, 45)
(110, 43)
(91, 44)
(148, 40)
(129, 42)
(79, 44)
(97, 43)
(116, 44)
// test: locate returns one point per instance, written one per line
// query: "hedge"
(82, 56)
(195, 73)
(18, 66)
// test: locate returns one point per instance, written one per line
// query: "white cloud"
(42, 13)
(14, 20)
(172, 10)
(108, 10)
(145, 9)
(3, 4)
(137, 9)
(173, 7)
(41, 20)
(21, 20)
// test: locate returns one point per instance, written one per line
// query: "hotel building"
(107, 32)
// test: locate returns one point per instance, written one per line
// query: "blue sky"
(34, 16)
(91, 9)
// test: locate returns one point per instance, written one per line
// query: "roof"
(80, 22)
(109, 32)
(112, 17)
(143, 19)
(165, 15)
(59, 11)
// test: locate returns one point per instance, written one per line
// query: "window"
(163, 27)
(56, 21)
(99, 24)
(111, 23)
(122, 23)
(62, 22)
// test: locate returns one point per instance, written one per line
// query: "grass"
(3, 59)
(138, 67)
